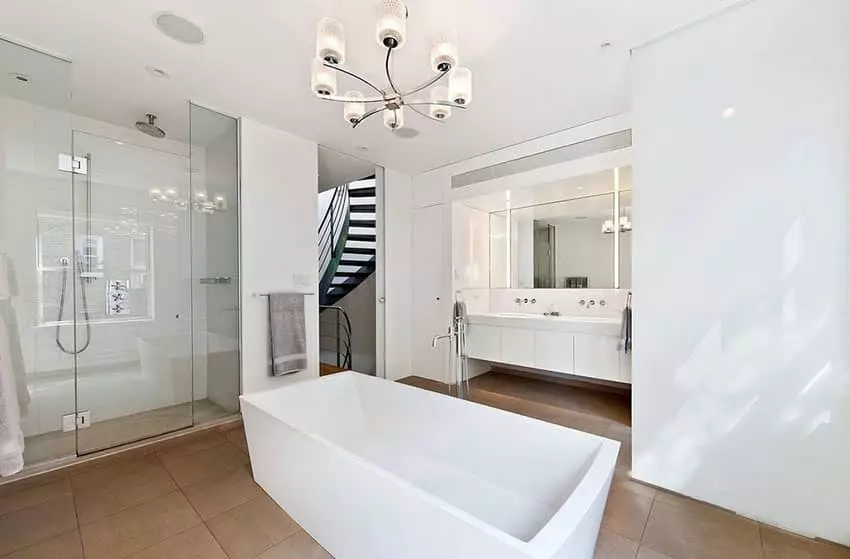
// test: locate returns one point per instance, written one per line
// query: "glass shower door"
(127, 316)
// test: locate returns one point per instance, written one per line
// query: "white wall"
(279, 243)
(398, 273)
(741, 391)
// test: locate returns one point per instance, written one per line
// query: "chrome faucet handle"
(581, 302)
(602, 302)
(591, 303)
(533, 301)
(518, 301)
(525, 300)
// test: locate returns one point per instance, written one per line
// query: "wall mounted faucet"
(524, 301)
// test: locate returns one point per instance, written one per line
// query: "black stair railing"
(336, 328)
(333, 230)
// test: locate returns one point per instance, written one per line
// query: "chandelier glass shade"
(427, 99)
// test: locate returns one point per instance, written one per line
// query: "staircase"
(347, 241)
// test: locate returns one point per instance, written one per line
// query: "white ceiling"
(538, 66)
(337, 168)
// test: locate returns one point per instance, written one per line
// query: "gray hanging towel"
(287, 333)
(626, 331)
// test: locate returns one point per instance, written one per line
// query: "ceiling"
(538, 65)
(337, 168)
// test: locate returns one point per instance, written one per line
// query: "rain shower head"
(149, 127)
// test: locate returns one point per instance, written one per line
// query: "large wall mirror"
(570, 235)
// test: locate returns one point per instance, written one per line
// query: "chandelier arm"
(443, 103)
(367, 115)
(389, 75)
(427, 84)
(426, 115)
(343, 99)
(355, 76)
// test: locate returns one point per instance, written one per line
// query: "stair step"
(367, 192)
(363, 223)
(363, 208)
(357, 274)
(358, 250)
(358, 263)
(359, 237)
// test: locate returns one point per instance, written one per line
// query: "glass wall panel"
(129, 281)
(215, 262)
(36, 377)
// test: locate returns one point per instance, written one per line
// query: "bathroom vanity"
(585, 346)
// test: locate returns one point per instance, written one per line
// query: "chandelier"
(436, 101)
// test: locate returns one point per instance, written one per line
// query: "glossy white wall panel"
(279, 231)
(741, 389)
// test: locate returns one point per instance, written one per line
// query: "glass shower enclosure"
(119, 307)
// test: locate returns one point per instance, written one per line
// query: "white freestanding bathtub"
(377, 470)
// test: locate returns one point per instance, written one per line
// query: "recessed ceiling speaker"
(178, 28)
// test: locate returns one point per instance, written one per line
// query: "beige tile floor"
(194, 498)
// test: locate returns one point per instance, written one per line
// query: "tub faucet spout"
(437, 338)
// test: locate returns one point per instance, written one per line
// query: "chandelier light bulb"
(394, 118)
(440, 112)
(323, 79)
(353, 111)
(460, 86)
(392, 24)
(330, 41)
(443, 56)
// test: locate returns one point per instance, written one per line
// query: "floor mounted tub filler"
(374, 469)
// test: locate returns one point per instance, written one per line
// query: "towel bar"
(267, 294)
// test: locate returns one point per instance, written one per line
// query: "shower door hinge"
(76, 165)
(79, 420)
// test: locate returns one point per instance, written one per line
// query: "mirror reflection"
(572, 235)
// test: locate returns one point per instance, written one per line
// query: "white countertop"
(601, 325)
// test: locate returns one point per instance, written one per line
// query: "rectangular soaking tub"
(378, 470)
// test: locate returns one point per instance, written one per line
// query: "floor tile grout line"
(26, 547)
(215, 538)
(648, 516)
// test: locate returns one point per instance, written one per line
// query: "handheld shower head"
(149, 127)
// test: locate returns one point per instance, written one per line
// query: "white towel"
(11, 436)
